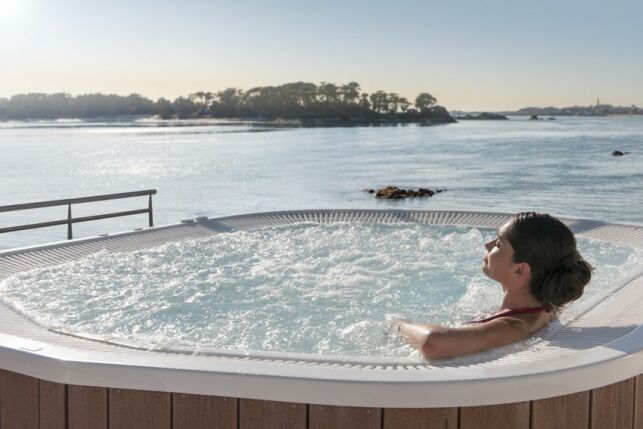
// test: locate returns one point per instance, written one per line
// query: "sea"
(200, 168)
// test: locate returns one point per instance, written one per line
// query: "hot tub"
(587, 373)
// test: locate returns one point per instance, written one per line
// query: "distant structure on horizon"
(592, 110)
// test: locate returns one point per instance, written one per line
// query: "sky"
(471, 55)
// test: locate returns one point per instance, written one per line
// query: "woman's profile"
(535, 260)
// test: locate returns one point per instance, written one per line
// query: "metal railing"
(72, 220)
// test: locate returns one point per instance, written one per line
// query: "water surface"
(561, 166)
(308, 288)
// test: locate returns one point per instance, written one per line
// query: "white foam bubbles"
(311, 288)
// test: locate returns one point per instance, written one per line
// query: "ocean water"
(320, 289)
(562, 167)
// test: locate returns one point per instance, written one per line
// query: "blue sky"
(469, 54)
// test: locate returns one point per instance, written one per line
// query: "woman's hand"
(415, 335)
(397, 323)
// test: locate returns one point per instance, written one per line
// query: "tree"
(197, 97)
(164, 107)
(184, 107)
(298, 94)
(229, 96)
(404, 104)
(4, 107)
(350, 92)
(379, 101)
(229, 101)
(328, 92)
(364, 101)
(307, 93)
(207, 98)
(424, 101)
(392, 101)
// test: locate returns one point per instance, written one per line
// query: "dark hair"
(558, 272)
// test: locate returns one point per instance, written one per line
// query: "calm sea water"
(561, 166)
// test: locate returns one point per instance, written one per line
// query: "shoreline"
(155, 120)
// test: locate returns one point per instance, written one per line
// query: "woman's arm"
(439, 342)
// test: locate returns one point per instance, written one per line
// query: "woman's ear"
(522, 270)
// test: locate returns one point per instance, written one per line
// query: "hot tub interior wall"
(27, 402)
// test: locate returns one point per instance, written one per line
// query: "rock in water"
(395, 193)
(619, 153)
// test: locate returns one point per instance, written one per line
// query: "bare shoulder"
(515, 328)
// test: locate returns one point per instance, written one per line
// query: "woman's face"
(499, 257)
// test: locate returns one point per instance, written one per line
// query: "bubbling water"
(309, 288)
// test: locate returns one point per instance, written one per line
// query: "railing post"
(150, 209)
(70, 220)
(69, 223)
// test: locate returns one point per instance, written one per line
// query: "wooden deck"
(27, 402)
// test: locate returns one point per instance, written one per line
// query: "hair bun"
(566, 281)
(584, 270)
(569, 260)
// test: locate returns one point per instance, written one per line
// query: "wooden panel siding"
(329, 417)
(613, 406)
(271, 415)
(53, 405)
(139, 409)
(203, 412)
(420, 418)
(86, 407)
(569, 412)
(18, 401)
(638, 403)
(505, 416)
(27, 402)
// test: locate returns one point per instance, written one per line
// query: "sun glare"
(10, 8)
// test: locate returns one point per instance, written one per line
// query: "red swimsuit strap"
(513, 311)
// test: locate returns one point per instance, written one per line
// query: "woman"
(535, 260)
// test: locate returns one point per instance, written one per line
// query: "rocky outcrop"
(619, 153)
(485, 116)
(395, 193)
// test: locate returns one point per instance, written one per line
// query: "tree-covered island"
(304, 103)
